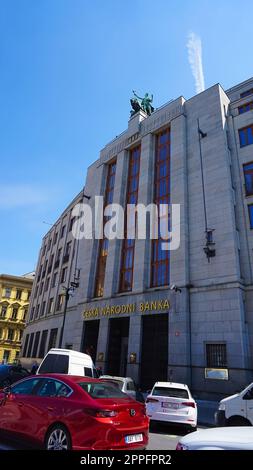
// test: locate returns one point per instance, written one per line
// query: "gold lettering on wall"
(114, 310)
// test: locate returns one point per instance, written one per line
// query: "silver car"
(126, 385)
(228, 438)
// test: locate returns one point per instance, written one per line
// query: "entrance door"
(118, 346)
(154, 353)
(90, 338)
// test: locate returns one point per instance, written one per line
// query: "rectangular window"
(47, 284)
(248, 178)
(14, 313)
(50, 305)
(68, 248)
(64, 274)
(71, 223)
(3, 311)
(37, 311)
(245, 107)
(246, 93)
(52, 338)
(41, 287)
(104, 243)
(49, 244)
(44, 249)
(7, 292)
(246, 136)
(32, 314)
(25, 345)
(6, 356)
(43, 308)
(18, 294)
(127, 260)
(250, 208)
(25, 314)
(216, 355)
(54, 279)
(60, 301)
(10, 334)
(160, 257)
(63, 231)
(36, 344)
(55, 237)
(43, 343)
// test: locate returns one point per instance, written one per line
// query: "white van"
(236, 410)
(67, 361)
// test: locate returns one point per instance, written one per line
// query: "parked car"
(172, 403)
(232, 438)
(10, 373)
(236, 410)
(63, 412)
(126, 385)
(67, 361)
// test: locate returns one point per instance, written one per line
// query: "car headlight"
(221, 407)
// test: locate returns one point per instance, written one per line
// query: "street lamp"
(68, 292)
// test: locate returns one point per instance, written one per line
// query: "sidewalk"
(206, 410)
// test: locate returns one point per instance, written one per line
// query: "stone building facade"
(186, 315)
(15, 294)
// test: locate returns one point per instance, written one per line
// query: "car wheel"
(58, 438)
(238, 421)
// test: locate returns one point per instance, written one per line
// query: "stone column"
(102, 343)
(134, 346)
(145, 196)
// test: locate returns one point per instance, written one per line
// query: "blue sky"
(67, 68)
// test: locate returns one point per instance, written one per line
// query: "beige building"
(15, 294)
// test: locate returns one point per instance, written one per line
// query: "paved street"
(161, 438)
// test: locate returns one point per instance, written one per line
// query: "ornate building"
(15, 294)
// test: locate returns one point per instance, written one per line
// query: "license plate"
(133, 438)
(173, 406)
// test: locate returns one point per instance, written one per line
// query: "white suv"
(172, 403)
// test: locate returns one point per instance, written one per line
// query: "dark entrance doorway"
(154, 352)
(90, 338)
(118, 346)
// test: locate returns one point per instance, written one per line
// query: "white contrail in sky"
(195, 59)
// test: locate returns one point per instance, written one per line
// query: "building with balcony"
(15, 292)
(185, 315)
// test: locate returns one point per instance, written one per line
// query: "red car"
(63, 412)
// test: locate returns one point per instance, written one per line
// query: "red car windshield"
(102, 390)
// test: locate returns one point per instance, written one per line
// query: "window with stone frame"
(3, 310)
(160, 258)
(248, 178)
(246, 136)
(127, 256)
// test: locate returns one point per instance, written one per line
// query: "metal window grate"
(216, 355)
